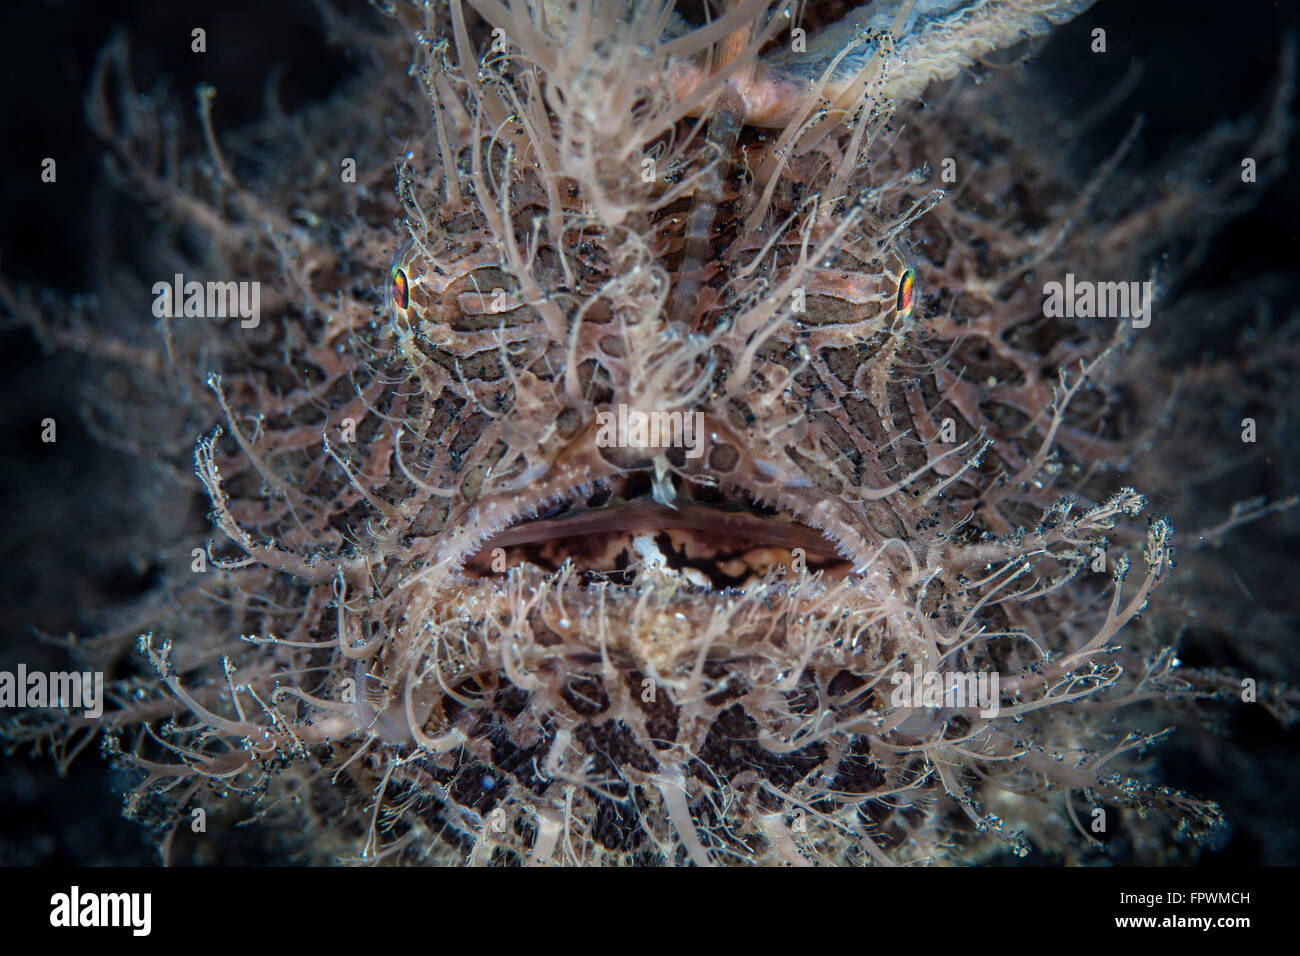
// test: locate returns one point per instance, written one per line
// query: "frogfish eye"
(906, 293)
(399, 291)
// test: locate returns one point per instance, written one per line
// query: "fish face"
(688, 473)
(707, 512)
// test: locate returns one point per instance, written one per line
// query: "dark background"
(1201, 63)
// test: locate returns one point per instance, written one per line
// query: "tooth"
(648, 551)
(695, 576)
(662, 489)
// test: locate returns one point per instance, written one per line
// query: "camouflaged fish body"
(458, 623)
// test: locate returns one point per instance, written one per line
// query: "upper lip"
(724, 519)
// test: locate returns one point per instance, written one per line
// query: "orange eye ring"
(906, 293)
(399, 291)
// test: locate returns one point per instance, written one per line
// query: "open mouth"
(713, 539)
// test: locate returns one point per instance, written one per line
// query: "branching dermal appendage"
(268, 554)
(244, 744)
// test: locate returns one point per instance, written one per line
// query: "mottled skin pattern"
(350, 665)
